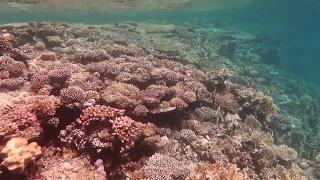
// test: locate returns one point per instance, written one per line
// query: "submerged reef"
(119, 102)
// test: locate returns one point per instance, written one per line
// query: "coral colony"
(79, 102)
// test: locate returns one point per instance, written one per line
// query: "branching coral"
(162, 167)
(92, 91)
(11, 73)
(7, 49)
(226, 103)
(102, 127)
(158, 86)
(23, 117)
(255, 103)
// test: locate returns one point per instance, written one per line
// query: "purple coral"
(100, 167)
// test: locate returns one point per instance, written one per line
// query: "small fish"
(273, 89)
(36, 39)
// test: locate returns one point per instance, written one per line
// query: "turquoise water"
(293, 25)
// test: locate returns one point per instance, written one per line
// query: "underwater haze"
(159, 89)
(290, 24)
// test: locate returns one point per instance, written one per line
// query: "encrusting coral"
(17, 154)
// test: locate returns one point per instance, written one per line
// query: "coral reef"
(114, 130)
(107, 107)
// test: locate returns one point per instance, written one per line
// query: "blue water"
(292, 24)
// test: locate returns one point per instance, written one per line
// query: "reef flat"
(154, 101)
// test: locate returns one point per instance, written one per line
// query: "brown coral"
(226, 103)
(218, 171)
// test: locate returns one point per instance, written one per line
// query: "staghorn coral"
(17, 154)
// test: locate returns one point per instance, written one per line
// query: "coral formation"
(17, 154)
(143, 111)
(114, 131)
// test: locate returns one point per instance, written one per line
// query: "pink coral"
(15, 67)
(85, 57)
(103, 127)
(17, 120)
(23, 117)
(72, 94)
(38, 81)
(5, 45)
(178, 103)
(140, 110)
(45, 106)
(12, 84)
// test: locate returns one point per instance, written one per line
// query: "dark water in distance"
(291, 24)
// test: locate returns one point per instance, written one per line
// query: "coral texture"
(17, 154)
